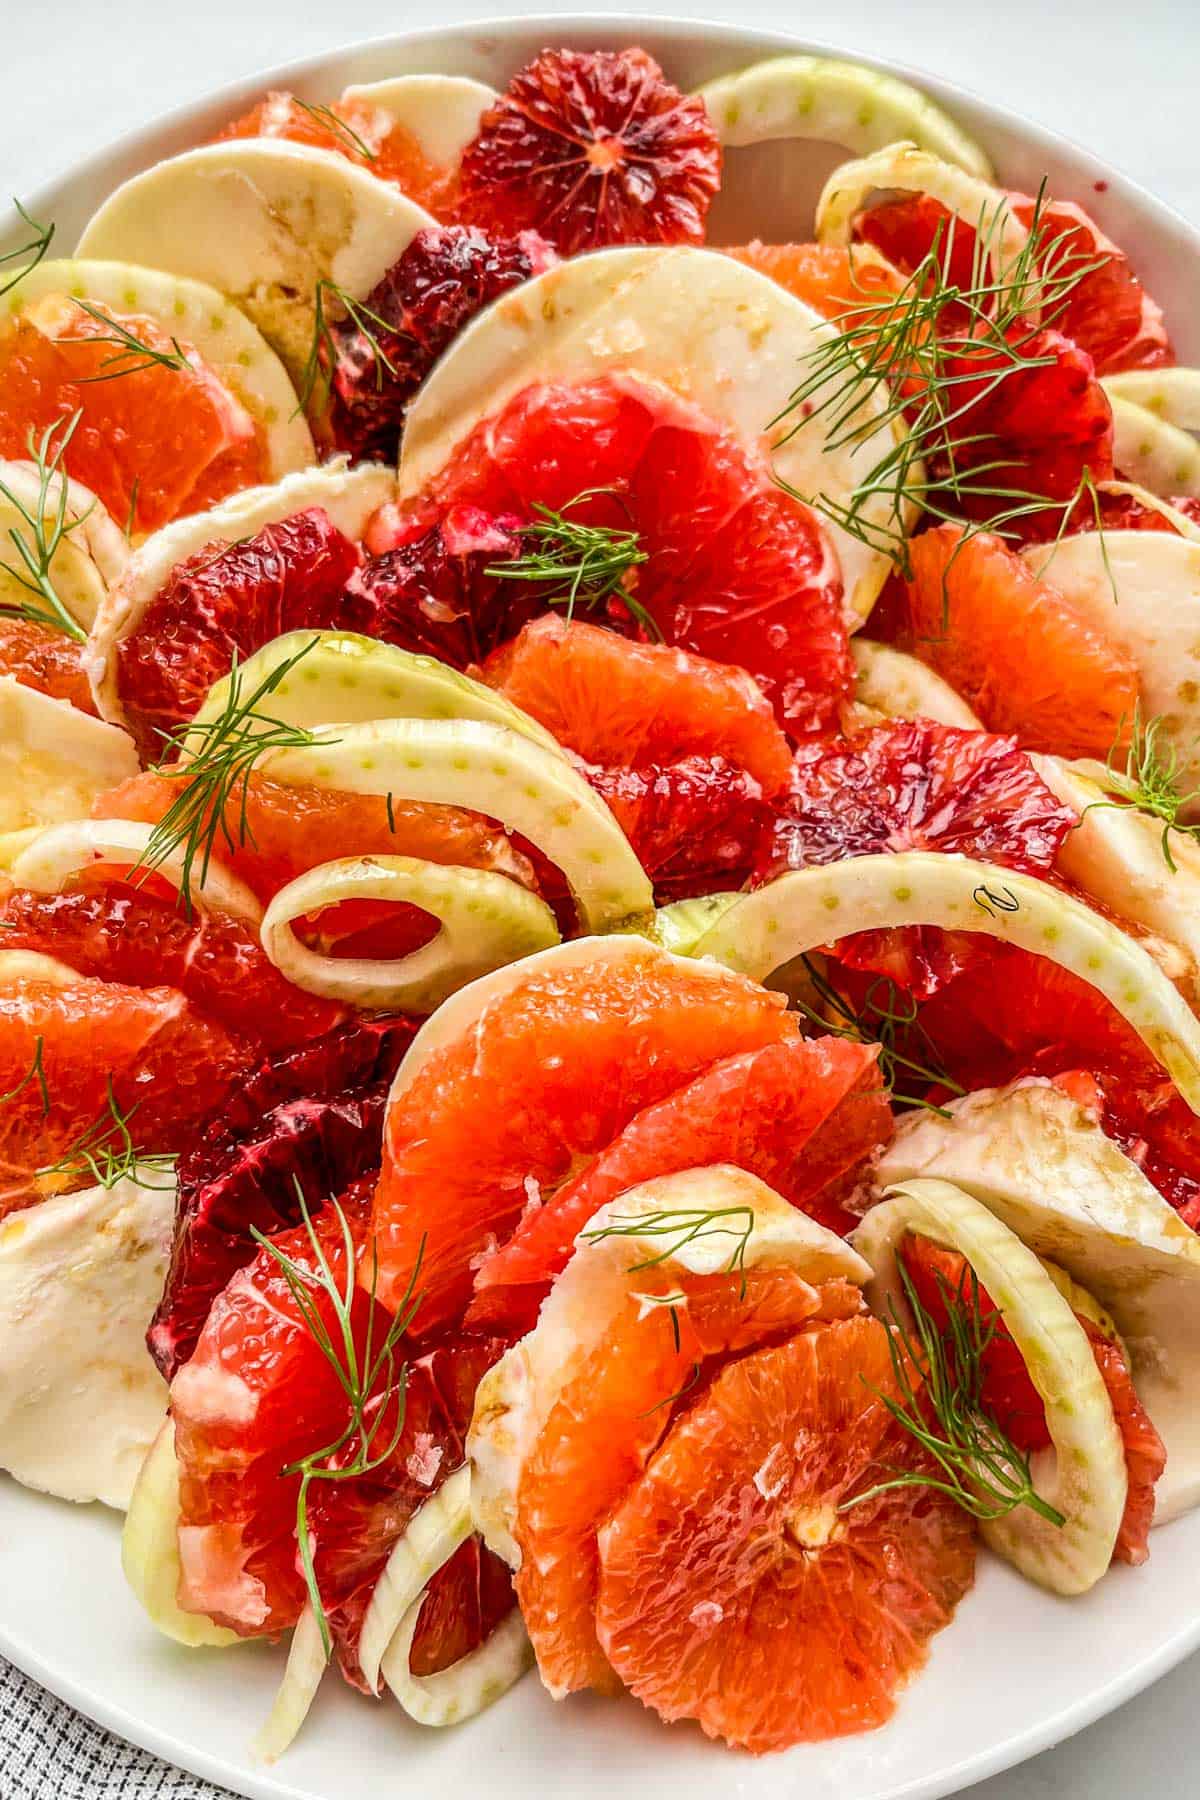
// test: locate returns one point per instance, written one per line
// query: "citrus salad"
(599, 923)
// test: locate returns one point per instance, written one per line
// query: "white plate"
(1018, 1670)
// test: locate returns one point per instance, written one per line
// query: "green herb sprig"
(36, 1072)
(326, 117)
(131, 356)
(584, 565)
(372, 1376)
(683, 1225)
(1149, 782)
(890, 1018)
(323, 350)
(27, 255)
(940, 1378)
(44, 528)
(219, 756)
(892, 363)
(107, 1153)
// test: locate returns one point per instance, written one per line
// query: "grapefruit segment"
(629, 705)
(1019, 652)
(570, 1052)
(606, 1421)
(162, 439)
(736, 570)
(798, 1114)
(732, 1588)
(62, 1044)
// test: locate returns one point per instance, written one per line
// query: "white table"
(1119, 78)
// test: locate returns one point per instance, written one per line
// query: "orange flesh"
(606, 1422)
(1015, 648)
(568, 1056)
(734, 1590)
(153, 441)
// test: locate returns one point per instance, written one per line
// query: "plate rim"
(748, 42)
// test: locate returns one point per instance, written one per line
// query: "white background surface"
(1122, 79)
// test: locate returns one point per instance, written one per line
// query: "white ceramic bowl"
(1018, 1670)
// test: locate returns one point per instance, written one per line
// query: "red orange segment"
(797, 1114)
(735, 570)
(61, 1046)
(153, 442)
(1015, 648)
(734, 1590)
(558, 1066)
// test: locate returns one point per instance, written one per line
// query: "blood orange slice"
(917, 785)
(447, 274)
(156, 441)
(46, 660)
(309, 1121)
(1016, 650)
(694, 825)
(1107, 312)
(798, 1114)
(735, 569)
(628, 705)
(117, 931)
(593, 148)
(736, 1591)
(940, 1279)
(494, 1117)
(914, 786)
(223, 603)
(61, 1047)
